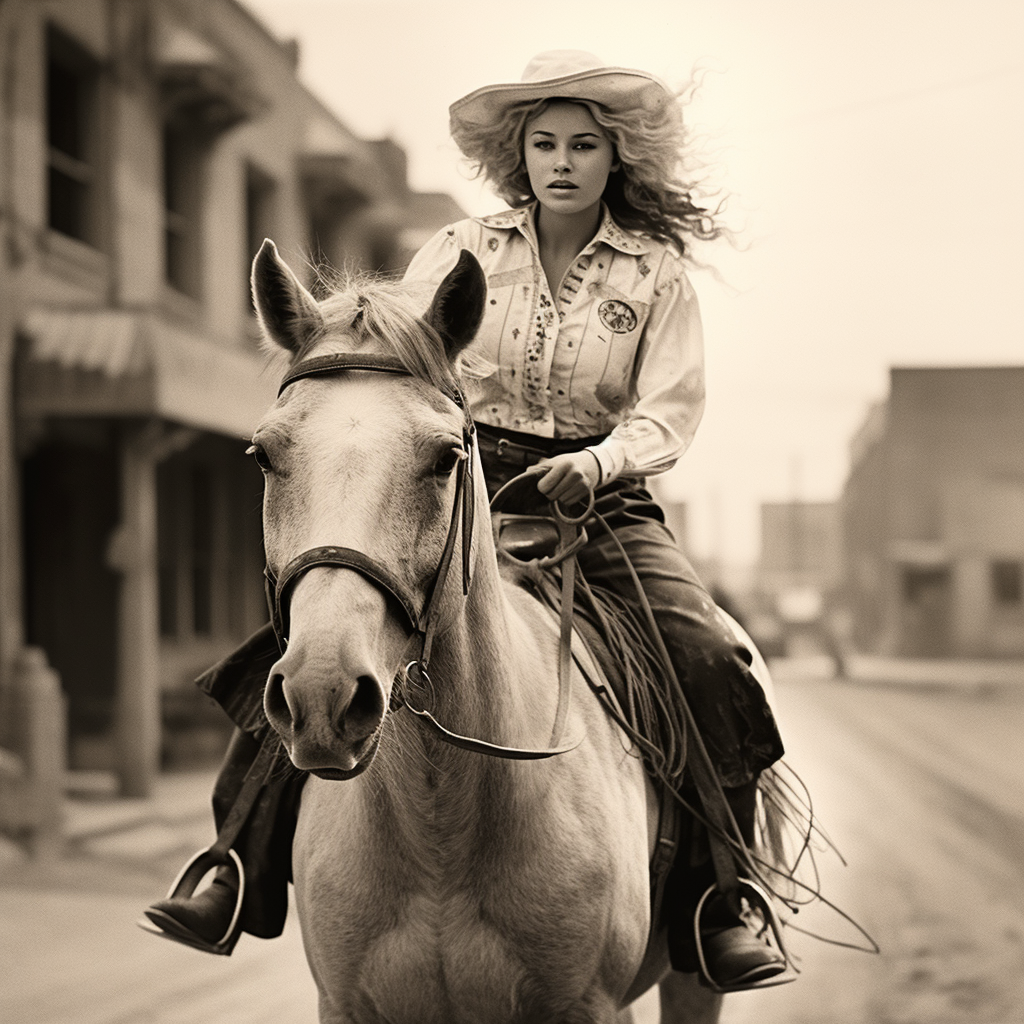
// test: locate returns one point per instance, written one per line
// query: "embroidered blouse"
(617, 350)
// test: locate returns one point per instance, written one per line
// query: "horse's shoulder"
(522, 583)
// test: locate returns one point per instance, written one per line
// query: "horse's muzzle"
(334, 729)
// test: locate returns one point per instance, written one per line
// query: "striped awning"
(103, 340)
(114, 363)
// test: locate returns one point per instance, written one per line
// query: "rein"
(422, 621)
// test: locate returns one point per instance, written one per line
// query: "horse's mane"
(377, 314)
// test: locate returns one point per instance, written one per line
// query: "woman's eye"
(259, 453)
(445, 465)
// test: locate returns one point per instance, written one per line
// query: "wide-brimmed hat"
(565, 74)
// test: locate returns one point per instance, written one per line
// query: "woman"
(589, 366)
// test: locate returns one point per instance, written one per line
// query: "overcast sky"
(874, 158)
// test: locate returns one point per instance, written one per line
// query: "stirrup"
(758, 899)
(196, 868)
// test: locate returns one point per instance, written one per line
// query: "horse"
(434, 884)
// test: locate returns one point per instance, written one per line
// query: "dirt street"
(923, 792)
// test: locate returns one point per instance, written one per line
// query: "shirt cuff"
(609, 458)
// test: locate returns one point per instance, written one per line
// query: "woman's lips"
(562, 185)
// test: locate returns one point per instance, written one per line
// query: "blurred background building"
(933, 516)
(146, 149)
(923, 555)
(799, 575)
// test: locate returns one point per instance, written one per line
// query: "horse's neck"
(494, 667)
(493, 677)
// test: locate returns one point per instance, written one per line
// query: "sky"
(871, 157)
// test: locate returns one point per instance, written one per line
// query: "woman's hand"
(569, 478)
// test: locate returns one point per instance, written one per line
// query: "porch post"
(133, 552)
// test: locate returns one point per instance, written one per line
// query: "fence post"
(40, 709)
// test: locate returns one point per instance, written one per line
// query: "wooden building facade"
(146, 149)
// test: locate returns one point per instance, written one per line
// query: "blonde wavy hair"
(648, 194)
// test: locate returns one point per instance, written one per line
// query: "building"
(933, 516)
(146, 149)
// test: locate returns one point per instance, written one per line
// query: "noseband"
(421, 621)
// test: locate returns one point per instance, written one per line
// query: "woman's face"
(568, 158)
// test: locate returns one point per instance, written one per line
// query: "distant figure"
(836, 630)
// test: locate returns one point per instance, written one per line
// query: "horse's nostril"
(366, 709)
(275, 703)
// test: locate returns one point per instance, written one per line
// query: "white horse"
(434, 885)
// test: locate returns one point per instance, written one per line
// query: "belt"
(517, 447)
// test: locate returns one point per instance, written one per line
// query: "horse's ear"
(458, 304)
(288, 313)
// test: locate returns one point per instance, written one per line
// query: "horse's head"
(361, 455)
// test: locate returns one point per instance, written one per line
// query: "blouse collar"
(609, 233)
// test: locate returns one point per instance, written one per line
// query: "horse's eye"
(446, 464)
(259, 453)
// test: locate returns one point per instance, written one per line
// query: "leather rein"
(421, 620)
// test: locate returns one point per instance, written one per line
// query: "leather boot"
(736, 945)
(737, 955)
(259, 868)
(209, 921)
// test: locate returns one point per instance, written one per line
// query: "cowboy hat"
(566, 74)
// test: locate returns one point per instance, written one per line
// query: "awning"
(336, 184)
(198, 80)
(112, 363)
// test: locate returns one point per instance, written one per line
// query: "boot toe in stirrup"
(192, 920)
(744, 952)
(737, 958)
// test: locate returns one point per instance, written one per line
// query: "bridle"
(422, 621)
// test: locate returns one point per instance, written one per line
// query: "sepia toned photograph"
(511, 513)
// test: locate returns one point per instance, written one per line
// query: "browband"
(322, 366)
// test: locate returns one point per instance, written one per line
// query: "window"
(924, 584)
(260, 200)
(182, 191)
(72, 130)
(209, 542)
(1007, 577)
